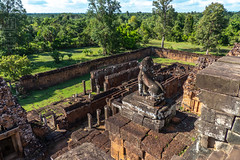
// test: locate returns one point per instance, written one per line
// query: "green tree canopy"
(163, 9)
(105, 23)
(211, 25)
(15, 66)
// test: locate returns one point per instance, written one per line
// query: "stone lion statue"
(147, 86)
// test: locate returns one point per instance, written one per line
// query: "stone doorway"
(10, 145)
(7, 149)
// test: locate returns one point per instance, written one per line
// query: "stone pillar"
(105, 86)
(89, 121)
(114, 110)
(40, 117)
(98, 117)
(106, 112)
(44, 120)
(54, 120)
(84, 87)
(98, 89)
(19, 143)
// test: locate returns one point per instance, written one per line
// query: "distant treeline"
(50, 31)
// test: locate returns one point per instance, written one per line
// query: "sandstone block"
(133, 133)
(211, 130)
(155, 125)
(116, 139)
(132, 149)
(220, 102)
(233, 138)
(137, 118)
(127, 113)
(220, 77)
(114, 123)
(216, 117)
(149, 157)
(236, 125)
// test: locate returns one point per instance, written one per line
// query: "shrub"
(15, 66)
(69, 55)
(88, 52)
(56, 56)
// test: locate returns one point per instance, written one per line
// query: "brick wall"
(99, 75)
(180, 55)
(53, 77)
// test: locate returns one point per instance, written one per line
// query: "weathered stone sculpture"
(147, 85)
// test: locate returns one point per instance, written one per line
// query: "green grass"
(188, 47)
(167, 61)
(42, 62)
(40, 98)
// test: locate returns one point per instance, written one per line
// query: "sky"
(80, 6)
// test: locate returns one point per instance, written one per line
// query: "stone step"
(217, 155)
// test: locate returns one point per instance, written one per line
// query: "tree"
(12, 20)
(105, 23)
(188, 25)
(15, 66)
(211, 26)
(162, 8)
(129, 36)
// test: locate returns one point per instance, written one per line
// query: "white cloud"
(56, 6)
(80, 6)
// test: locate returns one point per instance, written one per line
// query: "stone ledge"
(220, 102)
(211, 130)
(220, 77)
(216, 117)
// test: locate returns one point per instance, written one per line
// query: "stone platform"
(133, 141)
(146, 112)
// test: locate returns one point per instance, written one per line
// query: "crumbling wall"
(53, 77)
(117, 79)
(98, 76)
(190, 100)
(235, 51)
(220, 119)
(13, 116)
(180, 55)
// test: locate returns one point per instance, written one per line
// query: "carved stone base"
(144, 112)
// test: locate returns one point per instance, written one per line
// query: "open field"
(43, 62)
(40, 98)
(188, 47)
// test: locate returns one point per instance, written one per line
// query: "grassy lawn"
(188, 47)
(40, 98)
(42, 62)
(167, 61)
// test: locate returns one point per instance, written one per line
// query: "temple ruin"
(135, 110)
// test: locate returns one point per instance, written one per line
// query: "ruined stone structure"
(102, 77)
(235, 51)
(218, 125)
(50, 78)
(16, 137)
(190, 100)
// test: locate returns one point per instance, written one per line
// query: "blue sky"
(80, 6)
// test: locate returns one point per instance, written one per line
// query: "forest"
(106, 26)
